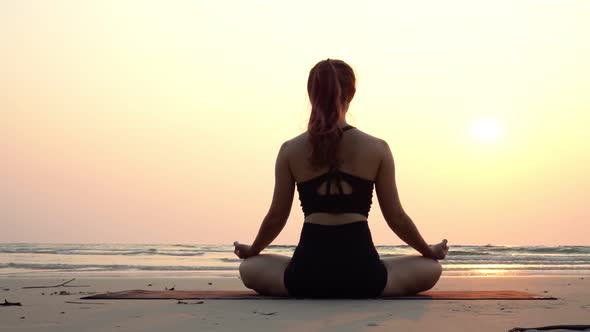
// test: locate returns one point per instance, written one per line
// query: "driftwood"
(264, 313)
(74, 302)
(7, 304)
(65, 284)
(185, 302)
(552, 327)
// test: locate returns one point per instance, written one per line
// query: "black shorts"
(337, 261)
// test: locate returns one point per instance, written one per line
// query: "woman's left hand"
(243, 250)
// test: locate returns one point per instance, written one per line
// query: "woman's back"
(360, 155)
(336, 214)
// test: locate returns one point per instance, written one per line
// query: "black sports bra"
(358, 201)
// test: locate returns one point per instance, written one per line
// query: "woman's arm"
(395, 216)
(279, 210)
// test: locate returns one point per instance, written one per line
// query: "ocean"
(185, 260)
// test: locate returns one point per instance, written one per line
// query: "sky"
(159, 122)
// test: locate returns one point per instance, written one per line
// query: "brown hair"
(330, 85)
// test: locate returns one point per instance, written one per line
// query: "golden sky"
(159, 122)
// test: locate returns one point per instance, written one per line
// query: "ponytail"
(327, 94)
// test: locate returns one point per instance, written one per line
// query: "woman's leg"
(264, 274)
(410, 275)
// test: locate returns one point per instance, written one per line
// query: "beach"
(559, 271)
(61, 309)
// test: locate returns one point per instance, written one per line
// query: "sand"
(47, 310)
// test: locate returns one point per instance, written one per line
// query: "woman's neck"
(342, 122)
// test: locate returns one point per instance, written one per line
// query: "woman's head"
(331, 87)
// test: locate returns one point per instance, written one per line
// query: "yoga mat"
(251, 295)
(552, 328)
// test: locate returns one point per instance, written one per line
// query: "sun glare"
(486, 130)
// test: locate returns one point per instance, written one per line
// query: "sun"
(486, 130)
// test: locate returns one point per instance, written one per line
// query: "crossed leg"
(409, 275)
(264, 274)
(406, 275)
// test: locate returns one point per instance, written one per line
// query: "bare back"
(361, 156)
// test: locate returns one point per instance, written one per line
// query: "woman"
(335, 166)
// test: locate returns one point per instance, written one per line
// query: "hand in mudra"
(243, 250)
(439, 250)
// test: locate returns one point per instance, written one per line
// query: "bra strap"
(347, 127)
(334, 175)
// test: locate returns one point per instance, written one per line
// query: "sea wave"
(518, 268)
(187, 249)
(230, 260)
(124, 267)
(526, 249)
(39, 258)
(95, 252)
(112, 267)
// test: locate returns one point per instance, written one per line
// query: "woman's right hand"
(439, 250)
